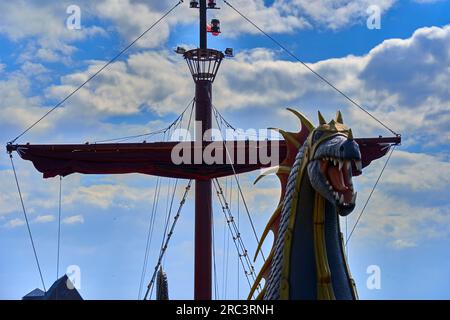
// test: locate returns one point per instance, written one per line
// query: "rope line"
(59, 227)
(242, 194)
(243, 257)
(310, 69)
(98, 71)
(216, 294)
(370, 195)
(150, 233)
(239, 132)
(164, 130)
(28, 224)
(169, 236)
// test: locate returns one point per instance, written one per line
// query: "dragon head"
(330, 152)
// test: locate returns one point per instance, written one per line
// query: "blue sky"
(399, 72)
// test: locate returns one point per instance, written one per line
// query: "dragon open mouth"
(338, 176)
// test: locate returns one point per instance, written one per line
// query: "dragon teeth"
(348, 164)
(354, 197)
(358, 165)
(341, 164)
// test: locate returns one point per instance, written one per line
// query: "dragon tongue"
(336, 179)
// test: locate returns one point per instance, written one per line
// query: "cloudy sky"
(400, 72)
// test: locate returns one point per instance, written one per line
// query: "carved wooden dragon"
(308, 260)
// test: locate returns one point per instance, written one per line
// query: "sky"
(399, 72)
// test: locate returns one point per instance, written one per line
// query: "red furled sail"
(155, 158)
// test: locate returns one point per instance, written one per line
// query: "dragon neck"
(314, 264)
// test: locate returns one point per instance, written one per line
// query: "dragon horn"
(287, 136)
(303, 119)
(266, 173)
(321, 118)
(350, 134)
(339, 117)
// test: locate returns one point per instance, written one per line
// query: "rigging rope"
(239, 225)
(28, 224)
(370, 195)
(150, 232)
(228, 125)
(216, 296)
(169, 236)
(310, 69)
(165, 234)
(164, 130)
(244, 259)
(168, 210)
(241, 193)
(59, 227)
(226, 245)
(97, 72)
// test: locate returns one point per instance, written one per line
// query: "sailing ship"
(307, 260)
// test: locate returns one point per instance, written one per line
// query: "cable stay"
(244, 258)
(289, 52)
(370, 195)
(98, 71)
(176, 122)
(150, 233)
(224, 123)
(169, 236)
(241, 193)
(166, 234)
(59, 228)
(28, 224)
(216, 289)
(226, 244)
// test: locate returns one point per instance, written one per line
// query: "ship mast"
(203, 64)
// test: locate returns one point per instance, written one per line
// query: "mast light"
(211, 4)
(215, 27)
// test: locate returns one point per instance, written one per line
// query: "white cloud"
(334, 14)
(131, 18)
(150, 80)
(400, 221)
(427, 1)
(272, 18)
(44, 218)
(106, 196)
(73, 219)
(13, 223)
(414, 100)
(42, 24)
(410, 204)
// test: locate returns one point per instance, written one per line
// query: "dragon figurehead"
(308, 260)
(331, 153)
